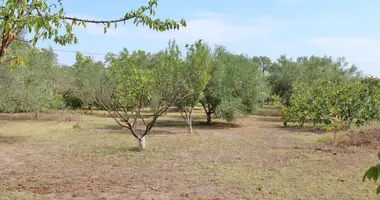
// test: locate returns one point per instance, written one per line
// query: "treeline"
(226, 84)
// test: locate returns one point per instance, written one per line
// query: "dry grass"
(368, 135)
(89, 157)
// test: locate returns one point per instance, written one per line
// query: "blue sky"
(257, 27)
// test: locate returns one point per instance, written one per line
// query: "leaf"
(378, 190)
(105, 30)
(378, 155)
(375, 173)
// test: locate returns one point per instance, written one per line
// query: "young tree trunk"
(189, 124)
(142, 143)
(348, 123)
(37, 115)
(209, 122)
(334, 143)
(91, 109)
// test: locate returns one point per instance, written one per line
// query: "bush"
(71, 101)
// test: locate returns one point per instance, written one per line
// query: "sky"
(337, 28)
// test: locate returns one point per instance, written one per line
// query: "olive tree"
(235, 87)
(138, 91)
(87, 73)
(30, 88)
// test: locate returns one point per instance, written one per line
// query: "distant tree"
(87, 73)
(139, 89)
(264, 62)
(313, 70)
(196, 71)
(31, 88)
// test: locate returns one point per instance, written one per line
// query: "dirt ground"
(71, 156)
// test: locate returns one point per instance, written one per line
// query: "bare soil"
(80, 156)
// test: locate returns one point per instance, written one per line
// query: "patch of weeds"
(313, 174)
(6, 194)
(312, 138)
(244, 178)
(77, 127)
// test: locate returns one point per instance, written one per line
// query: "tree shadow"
(134, 149)
(267, 118)
(21, 117)
(197, 124)
(12, 139)
(303, 130)
(43, 116)
(122, 130)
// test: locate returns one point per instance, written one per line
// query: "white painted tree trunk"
(189, 125)
(142, 143)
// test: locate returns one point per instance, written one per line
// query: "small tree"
(135, 89)
(196, 73)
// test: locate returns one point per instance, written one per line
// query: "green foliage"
(274, 100)
(196, 72)
(86, 85)
(336, 105)
(235, 87)
(71, 101)
(373, 173)
(138, 84)
(286, 72)
(29, 88)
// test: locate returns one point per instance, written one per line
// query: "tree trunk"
(189, 125)
(348, 123)
(209, 118)
(334, 143)
(37, 115)
(91, 110)
(142, 143)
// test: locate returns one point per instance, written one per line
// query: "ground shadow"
(292, 128)
(43, 116)
(197, 124)
(26, 117)
(267, 118)
(107, 115)
(12, 139)
(122, 130)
